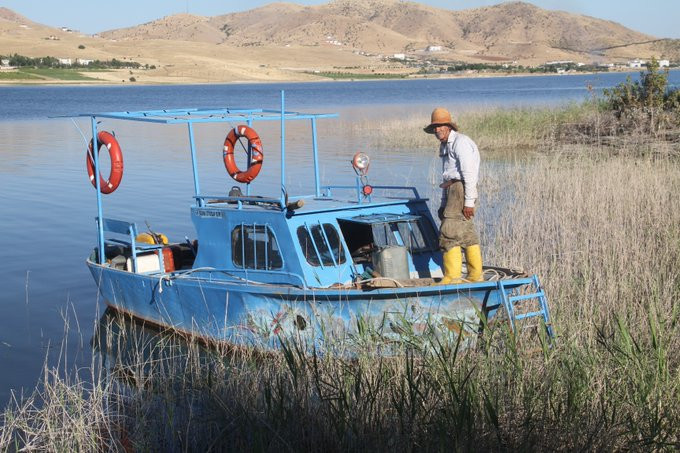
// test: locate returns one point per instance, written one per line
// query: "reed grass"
(602, 229)
(496, 131)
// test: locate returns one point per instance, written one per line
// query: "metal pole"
(100, 212)
(317, 185)
(283, 150)
(194, 166)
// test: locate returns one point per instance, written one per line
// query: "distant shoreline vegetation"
(438, 68)
(20, 61)
(357, 75)
(22, 68)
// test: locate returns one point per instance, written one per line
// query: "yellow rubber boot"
(473, 256)
(453, 266)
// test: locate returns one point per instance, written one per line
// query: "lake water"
(48, 301)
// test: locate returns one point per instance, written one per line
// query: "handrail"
(230, 272)
(328, 188)
(206, 200)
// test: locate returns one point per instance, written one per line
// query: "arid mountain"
(513, 31)
(285, 41)
(180, 27)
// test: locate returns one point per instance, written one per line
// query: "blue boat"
(333, 267)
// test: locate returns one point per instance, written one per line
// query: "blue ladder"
(511, 302)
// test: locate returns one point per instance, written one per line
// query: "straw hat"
(440, 116)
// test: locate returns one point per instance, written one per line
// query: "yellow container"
(148, 238)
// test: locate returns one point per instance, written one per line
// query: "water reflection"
(139, 354)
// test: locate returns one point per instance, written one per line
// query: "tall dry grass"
(601, 228)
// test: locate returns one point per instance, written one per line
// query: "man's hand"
(445, 184)
(468, 212)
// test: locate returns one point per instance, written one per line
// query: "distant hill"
(8, 15)
(285, 41)
(514, 31)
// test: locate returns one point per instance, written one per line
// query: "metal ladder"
(511, 302)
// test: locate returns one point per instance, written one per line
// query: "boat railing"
(238, 201)
(243, 275)
(327, 191)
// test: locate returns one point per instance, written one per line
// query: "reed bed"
(496, 131)
(601, 228)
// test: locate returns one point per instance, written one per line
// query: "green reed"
(512, 130)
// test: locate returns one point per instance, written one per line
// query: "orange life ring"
(116, 156)
(255, 151)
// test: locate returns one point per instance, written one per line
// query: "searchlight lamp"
(361, 162)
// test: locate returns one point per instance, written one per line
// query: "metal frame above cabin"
(206, 115)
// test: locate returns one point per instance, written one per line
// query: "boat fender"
(115, 154)
(255, 152)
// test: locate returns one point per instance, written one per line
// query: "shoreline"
(194, 81)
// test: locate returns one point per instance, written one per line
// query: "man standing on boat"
(460, 172)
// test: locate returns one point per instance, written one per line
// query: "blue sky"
(655, 17)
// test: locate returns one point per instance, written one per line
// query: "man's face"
(442, 132)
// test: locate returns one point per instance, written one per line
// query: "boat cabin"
(325, 242)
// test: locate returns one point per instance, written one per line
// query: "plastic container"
(168, 260)
(392, 262)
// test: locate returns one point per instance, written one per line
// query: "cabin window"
(416, 235)
(254, 246)
(321, 244)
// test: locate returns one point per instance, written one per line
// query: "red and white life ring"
(116, 156)
(256, 154)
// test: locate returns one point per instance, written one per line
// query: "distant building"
(637, 63)
(664, 63)
(83, 62)
(558, 62)
(65, 61)
(433, 49)
(399, 56)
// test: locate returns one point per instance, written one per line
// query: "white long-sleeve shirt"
(460, 160)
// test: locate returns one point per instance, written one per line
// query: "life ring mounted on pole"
(255, 153)
(116, 156)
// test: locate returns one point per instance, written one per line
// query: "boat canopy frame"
(209, 115)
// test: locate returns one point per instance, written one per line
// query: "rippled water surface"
(48, 301)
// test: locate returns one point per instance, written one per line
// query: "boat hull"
(243, 313)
